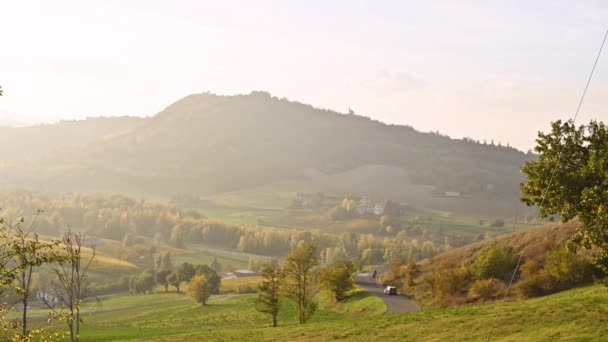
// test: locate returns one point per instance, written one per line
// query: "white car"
(390, 290)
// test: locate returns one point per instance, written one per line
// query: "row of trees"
(165, 273)
(123, 218)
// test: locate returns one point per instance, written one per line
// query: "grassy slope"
(540, 239)
(575, 315)
(165, 315)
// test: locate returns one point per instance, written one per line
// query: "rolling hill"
(207, 143)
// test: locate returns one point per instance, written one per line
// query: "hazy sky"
(486, 69)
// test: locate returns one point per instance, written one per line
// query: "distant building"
(379, 209)
(364, 207)
(240, 274)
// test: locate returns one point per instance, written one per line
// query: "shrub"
(494, 261)
(448, 282)
(529, 269)
(199, 289)
(567, 269)
(337, 280)
(486, 289)
(530, 287)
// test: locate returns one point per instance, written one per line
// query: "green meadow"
(575, 315)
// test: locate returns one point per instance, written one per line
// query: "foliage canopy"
(570, 179)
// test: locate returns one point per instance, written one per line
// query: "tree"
(143, 282)
(28, 253)
(493, 262)
(71, 273)
(215, 265)
(268, 300)
(337, 280)
(162, 278)
(184, 272)
(211, 275)
(20, 252)
(162, 269)
(199, 289)
(570, 179)
(299, 278)
(173, 279)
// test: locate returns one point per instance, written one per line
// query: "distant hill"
(206, 143)
(40, 141)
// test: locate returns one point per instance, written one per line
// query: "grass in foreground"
(167, 315)
(575, 315)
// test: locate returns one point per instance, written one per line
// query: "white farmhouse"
(379, 209)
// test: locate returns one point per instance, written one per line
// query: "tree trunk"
(24, 322)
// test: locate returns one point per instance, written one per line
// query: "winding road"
(394, 304)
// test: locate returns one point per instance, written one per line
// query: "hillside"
(480, 272)
(169, 317)
(541, 240)
(207, 143)
(40, 141)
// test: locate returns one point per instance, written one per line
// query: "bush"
(337, 280)
(531, 287)
(494, 261)
(562, 270)
(486, 289)
(567, 269)
(199, 289)
(529, 269)
(448, 282)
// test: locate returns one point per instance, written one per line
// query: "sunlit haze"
(476, 69)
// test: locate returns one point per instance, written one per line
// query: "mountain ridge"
(211, 143)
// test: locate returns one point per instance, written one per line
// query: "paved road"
(395, 304)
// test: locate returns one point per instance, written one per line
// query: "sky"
(489, 70)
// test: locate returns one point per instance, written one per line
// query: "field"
(240, 285)
(575, 315)
(205, 257)
(270, 207)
